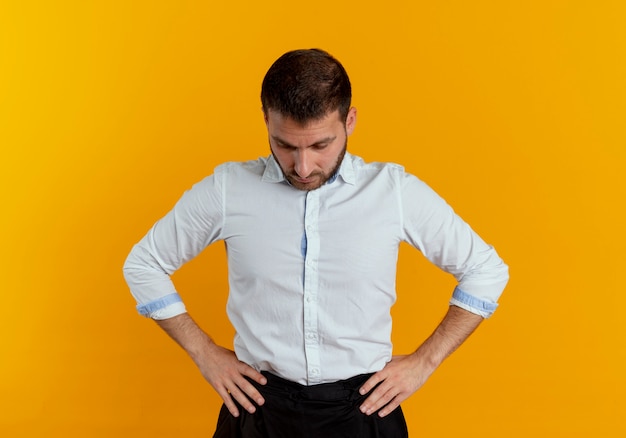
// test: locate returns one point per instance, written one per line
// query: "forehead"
(278, 122)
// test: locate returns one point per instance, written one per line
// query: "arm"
(404, 375)
(194, 223)
(219, 366)
(431, 226)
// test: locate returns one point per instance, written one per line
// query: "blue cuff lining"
(147, 308)
(472, 301)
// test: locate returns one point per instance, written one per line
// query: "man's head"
(306, 104)
(306, 85)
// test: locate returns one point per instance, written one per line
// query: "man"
(312, 235)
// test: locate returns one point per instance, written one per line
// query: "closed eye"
(318, 146)
(286, 147)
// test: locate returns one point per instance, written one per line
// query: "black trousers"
(328, 410)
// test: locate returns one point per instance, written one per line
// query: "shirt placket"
(311, 285)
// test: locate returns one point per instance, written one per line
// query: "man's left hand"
(404, 375)
(400, 378)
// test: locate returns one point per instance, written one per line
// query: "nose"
(302, 164)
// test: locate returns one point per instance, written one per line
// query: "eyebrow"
(317, 143)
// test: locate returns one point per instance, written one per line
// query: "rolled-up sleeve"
(431, 225)
(195, 222)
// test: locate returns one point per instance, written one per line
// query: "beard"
(319, 178)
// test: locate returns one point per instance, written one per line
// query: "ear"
(264, 116)
(351, 120)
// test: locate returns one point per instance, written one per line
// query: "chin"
(306, 186)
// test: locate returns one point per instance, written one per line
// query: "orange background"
(513, 111)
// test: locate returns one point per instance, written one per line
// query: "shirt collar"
(346, 170)
(273, 172)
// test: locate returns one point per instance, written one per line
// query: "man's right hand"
(227, 375)
(219, 366)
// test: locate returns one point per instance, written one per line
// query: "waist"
(341, 390)
(322, 363)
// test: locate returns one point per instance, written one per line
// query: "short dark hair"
(305, 85)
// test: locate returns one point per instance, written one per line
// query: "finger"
(228, 402)
(370, 383)
(243, 400)
(250, 391)
(389, 407)
(377, 399)
(248, 371)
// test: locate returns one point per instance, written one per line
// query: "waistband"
(333, 391)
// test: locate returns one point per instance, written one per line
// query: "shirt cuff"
(163, 308)
(472, 304)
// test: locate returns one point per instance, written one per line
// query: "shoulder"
(390, 176)
(229, 171)
(257, 166)
(375, 169)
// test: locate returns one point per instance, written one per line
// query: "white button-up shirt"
(312, 274)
